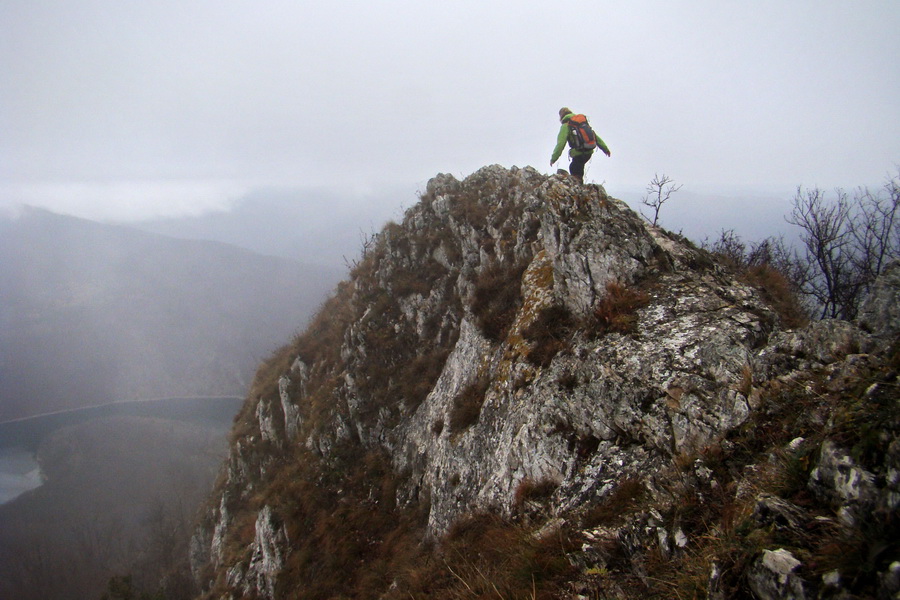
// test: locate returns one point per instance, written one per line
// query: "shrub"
(484, 556)
(624, 499)
(407, 281)
(417, 377)
(498, 295)
(123, 588)
(616, 311)
(530, 490)
(322, 339)
(771, 267)
(548, 334)
(467, 405)
(345, 527)
(469, 206)
(778, 292)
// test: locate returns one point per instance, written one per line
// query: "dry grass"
(549, 334)
(498, 295)
(484, 556)
(530, 490)
(620, 503)
(778, 292)
(616, 311)
(467, 404)
(344, 525)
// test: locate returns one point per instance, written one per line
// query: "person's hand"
(551, 162)
(607, 153)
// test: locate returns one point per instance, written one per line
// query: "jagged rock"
(518, 329)
(772, 510)
(880, 311)
(220, 529)
(773, 577)
(890, 583)
(268, 552)
(199, 552)
(266, 419)
(841, 480)
(821, 343)
(291, 411)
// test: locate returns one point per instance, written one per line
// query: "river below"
(21, 438)
(19, 473)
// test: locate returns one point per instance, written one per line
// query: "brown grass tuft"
(530, 490)
(498, 295)
(779, 293)
(467, 405)
(616, 311)
(624, 499)
(549, 334)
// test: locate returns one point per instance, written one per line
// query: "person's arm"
(602, 145)
(561, 140)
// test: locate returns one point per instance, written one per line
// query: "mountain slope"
(92, 313)
(313, 226)
(525, 391)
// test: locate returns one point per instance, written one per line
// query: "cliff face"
(530, 349)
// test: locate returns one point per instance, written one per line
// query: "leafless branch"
(659, 190)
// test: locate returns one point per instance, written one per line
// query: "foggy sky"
(132, 109)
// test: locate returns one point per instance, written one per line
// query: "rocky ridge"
(530, 349)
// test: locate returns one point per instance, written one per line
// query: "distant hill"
(93, 313)
(315, 226)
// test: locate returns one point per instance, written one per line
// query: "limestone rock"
(268, 553)
(773, 577)
(841, 479)
(517, 329)
(880, 311)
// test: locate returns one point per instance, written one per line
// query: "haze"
(127, 111)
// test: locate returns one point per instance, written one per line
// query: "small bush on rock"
(467, 405)
(616, 311)
(549, 334)
(498, 294)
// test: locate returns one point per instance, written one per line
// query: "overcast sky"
(122, 109)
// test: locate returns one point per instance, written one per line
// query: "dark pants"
(576, 167)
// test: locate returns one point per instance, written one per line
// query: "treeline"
(845, 242)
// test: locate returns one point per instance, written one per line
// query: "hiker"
(582, 141)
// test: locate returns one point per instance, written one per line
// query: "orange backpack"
(581, 136)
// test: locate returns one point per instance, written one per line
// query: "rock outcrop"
(528, 348)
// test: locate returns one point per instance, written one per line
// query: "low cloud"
(124, 200)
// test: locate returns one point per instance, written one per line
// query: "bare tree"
(367, 242)
(659, 190)
(772, 251)
(846, 243)
(729, 247)
(876, 235)
(827, 244)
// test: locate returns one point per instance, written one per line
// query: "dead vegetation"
(467, 405)
(351, 539)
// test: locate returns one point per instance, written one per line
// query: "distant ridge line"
(124, 403)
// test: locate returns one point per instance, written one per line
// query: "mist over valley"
(94, 313)
(124, 356)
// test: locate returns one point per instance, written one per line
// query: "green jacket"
(563, 137)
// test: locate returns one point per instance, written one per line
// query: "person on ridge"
(582, 141)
